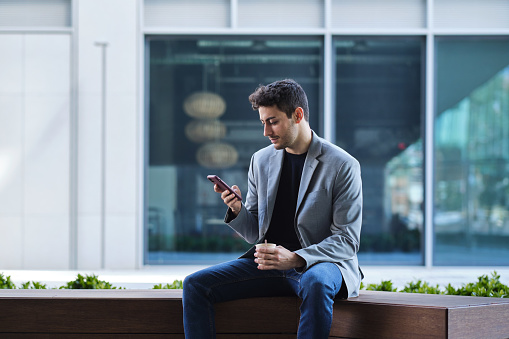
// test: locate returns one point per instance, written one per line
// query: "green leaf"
(6, 282)
(90, 282)
(176, 285)
(484, 287)
(33, 285)
(421, 287)
(385, 285)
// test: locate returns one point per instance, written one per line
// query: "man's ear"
(298, 114)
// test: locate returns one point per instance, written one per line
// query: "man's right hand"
(229, 198)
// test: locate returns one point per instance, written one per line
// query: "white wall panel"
(282, 13)
(46, 242)
(46, 156)
(11, 125)
(468, 14)
(11, 159)
(194, 13)
(89, 152)
(369, 14)
(46, 131)
(89, 64)
(122, 53)
(11, 242)
(47, 64)
(120, 33)
(89, 242)
(120, 239)
(35, 13)
(121, 159)
(34, 149)
(11, 63)
(113, 22)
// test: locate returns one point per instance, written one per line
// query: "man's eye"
(269, 123)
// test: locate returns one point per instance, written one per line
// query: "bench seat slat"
(154, 314)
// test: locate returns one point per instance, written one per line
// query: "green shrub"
(176, 285)
(33, 285)
(484, 287)
(421, 287)
(385, 285)
(6, 283)
(88, 282)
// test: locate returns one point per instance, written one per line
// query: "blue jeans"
(241, 278)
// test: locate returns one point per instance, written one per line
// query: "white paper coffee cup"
(265, 245)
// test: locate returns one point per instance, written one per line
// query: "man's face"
(280, 130)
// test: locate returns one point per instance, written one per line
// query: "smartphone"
(222, 185)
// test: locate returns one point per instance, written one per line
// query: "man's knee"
(192, 282)
(187, 283)
(322, 282)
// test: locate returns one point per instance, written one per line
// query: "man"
(304, 194)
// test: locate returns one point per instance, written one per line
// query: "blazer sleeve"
(346, 223)
(246, 222)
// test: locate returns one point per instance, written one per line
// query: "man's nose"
(266, 130)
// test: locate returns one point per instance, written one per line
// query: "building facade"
(113, 112)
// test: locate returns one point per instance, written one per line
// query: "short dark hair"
(286, 94)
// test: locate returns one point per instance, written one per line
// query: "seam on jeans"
(296, 279)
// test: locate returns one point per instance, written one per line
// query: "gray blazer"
(329, 206)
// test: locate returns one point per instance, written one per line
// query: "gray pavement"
(149, 276)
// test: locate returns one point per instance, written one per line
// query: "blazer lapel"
(315, 149)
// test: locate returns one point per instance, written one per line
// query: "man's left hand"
(278, 258)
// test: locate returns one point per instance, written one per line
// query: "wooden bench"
(158, 314)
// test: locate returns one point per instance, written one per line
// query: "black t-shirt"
(282, 225)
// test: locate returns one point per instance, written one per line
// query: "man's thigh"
(239, 279)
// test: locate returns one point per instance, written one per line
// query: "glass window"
(379, 109)
(201, 122)
(471, 179)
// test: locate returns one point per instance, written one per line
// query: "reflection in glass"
(472, 152)
(378, 121)
(200, 123)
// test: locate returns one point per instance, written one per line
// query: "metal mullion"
(141, 169)
(234, 10)
(74, 141)
(429, 139)
(328, 97)
(328, 116)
